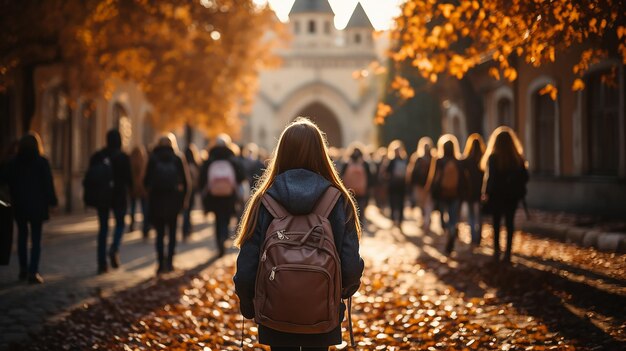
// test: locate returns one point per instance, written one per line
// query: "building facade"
(317, 79)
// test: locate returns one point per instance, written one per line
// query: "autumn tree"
(452, 37)
(196, 61)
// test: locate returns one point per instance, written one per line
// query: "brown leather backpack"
(298, 282)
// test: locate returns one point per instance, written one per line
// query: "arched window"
(312, 26)
(544, 119)
(87, 138)
(357, 38)
(602, 125)
(296, 27)
(60, 129)
(505, 113)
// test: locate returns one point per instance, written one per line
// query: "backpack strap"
(327, 202)
(274, 208)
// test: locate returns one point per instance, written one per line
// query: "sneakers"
(35, 278)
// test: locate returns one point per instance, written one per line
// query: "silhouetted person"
(6, 209)
(505, 183)
(219, 181)
(192, 156)
(419, 167)
(380, 183)
(447, 182)
(32, 192)
(395, 175)
(107, 184)
(139, 163)
(168, 183)
(474, 150)
(356, 175)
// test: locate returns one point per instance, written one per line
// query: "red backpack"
(355, 178)
(298, 282)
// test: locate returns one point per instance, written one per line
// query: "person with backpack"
(504, 186)
(106, 187)
(168, 183)
(395, 174)
(356, 176)
(32, 193)
(192, 156)
(419, 166)
(299, 246)
(220, 177)
(447, 183)
(474, 150)
(138, 164)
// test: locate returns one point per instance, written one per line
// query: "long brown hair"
(448, 146)
(301, 145)
(506, 149)
(474, 147)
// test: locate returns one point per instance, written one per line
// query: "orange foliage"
(452, 38)
(196, 61)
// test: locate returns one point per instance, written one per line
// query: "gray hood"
(298, 190)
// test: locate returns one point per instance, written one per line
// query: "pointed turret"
(358, 31)
(312, 24)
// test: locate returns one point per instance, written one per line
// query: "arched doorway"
(326, 120)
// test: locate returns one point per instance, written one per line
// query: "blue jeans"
(103, 221)
(475, 221)
(450, 209)
(144, 211)
(22, 245)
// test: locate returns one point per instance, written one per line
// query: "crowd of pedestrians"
(164, 183)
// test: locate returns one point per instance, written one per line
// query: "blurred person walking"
(474, 150)
(252, 164)
(6, 207)
(447, 183)
(106, 187)
(505, 183)
(396, 177)
(419, 167)
(357, 175)
(380, 183)
(220, 177)
(32, 193)
(168, 183)
(301, 187)
(138, 165)
(192, 156)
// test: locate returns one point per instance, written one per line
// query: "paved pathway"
(68, 264)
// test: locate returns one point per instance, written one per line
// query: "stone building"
(316, 78)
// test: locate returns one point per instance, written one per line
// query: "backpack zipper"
(281, 235)
(273, 273)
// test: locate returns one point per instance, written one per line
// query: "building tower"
(359, 30)
(312, 24)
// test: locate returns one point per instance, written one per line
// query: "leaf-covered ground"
(553, 296)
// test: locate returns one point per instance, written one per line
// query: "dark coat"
(31, 187)
(211, 203)
(505, 188)
(298, 191)
(463, 179)
(165, 204)
(396, 185)
(475, 177)
(122, 175)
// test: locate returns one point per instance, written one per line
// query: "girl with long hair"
(395, 174)
(419, 166)
(298, 175)
(32, 192)
(474, 150)
(505, 183)
(446, 182)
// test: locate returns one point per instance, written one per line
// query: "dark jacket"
(419, 174)
(31, 187)
(369, 173)
(298, 191)
(505, 188)
(122, 175)
(474, 179)
(396, 184)
(166, 203)
(212, 203)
